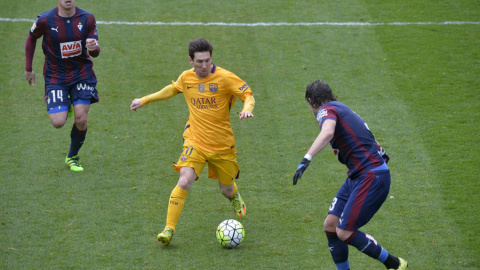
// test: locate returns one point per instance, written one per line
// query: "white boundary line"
(261, 23)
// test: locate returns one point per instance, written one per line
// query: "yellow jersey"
(209, 102)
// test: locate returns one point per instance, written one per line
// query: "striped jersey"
(209, 102)
(64, 45)
(352, 143)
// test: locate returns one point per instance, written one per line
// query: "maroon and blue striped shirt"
(352, 143)
(64, 46)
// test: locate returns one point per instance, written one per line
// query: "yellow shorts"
(223, 167)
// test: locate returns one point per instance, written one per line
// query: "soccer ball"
(230, 233)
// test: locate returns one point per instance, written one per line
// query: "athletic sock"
(338, 250)
(77, 139)
(366, 244)
(175, 206)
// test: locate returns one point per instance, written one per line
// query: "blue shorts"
(59, 97)
(359, 199)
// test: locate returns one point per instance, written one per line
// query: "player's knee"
(330, 223)
(186, 180)
(183, 184)
(81, 121)
(58, 123)
(329, 226)
(343, 234)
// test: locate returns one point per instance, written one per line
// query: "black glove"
(300, 169)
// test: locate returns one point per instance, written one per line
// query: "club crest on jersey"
(80, 26)
(213, 87)
(71, 49)
(201, 87)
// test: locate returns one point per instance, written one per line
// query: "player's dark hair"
(319, 93)
(199, 45)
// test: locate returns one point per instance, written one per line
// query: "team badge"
(201, 87)
(213, 87)
(80, 26)
(183, 157)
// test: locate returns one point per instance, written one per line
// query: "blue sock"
(338, 250)
(77, 139)
(366, 244)
(343, 266)
(383, 255)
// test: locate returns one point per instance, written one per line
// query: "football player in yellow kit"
(210, 92)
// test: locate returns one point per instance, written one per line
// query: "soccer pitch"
(411, 69)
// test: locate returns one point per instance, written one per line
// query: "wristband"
(309, 157)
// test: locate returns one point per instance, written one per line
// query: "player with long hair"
(368, 183)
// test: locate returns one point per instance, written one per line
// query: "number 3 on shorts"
(332, 206)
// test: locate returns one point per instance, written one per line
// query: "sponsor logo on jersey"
(244, 87)
(71, 49)
(213, 87)
(201, 87)
(321, 114)
(204, 103)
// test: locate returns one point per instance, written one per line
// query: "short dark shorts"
(59, 97)
(359, 199)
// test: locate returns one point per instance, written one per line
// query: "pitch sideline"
(266, 24)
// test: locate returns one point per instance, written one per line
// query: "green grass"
(417, 86)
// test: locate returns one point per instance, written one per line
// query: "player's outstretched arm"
(166, 93)
(136, 103)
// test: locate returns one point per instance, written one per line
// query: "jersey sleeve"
(166, 93)
(326, 112)
(249, 104)
(92, 27)
(178, 84)
(38, 27)
(239, 87)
